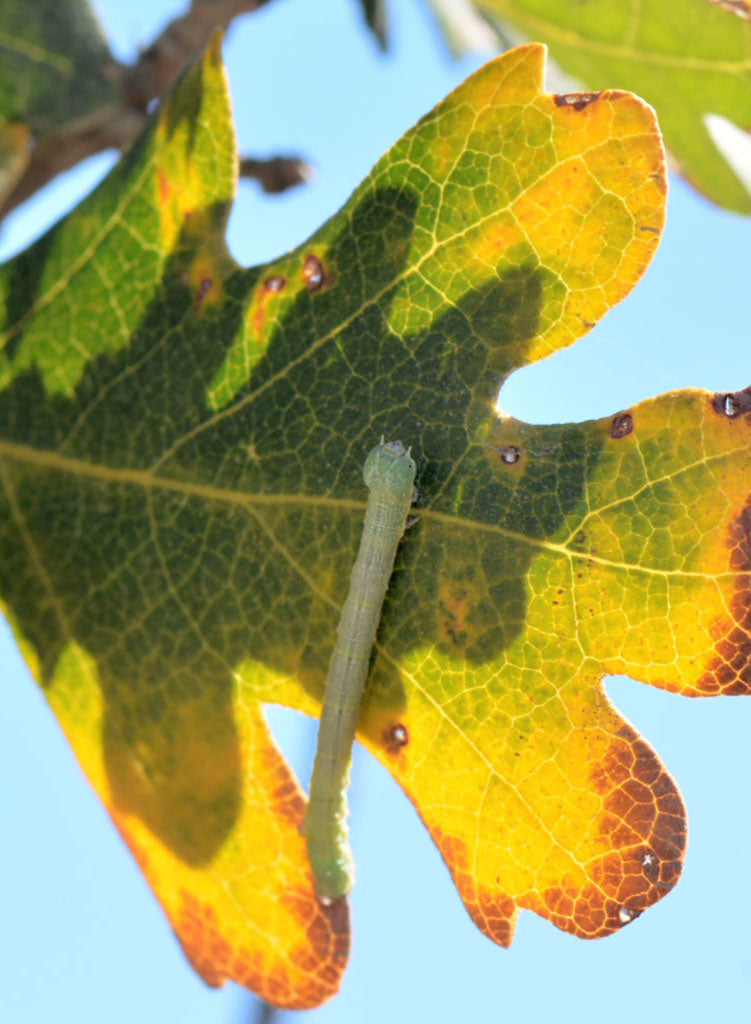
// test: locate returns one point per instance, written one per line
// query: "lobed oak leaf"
(181, 443)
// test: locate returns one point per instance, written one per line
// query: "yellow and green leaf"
(691, 60)
(181, 445)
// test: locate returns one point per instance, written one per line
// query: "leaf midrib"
(51, 460)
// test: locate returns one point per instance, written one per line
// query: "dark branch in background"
(266, 1013)
(146, 81)
(277, 173)
(160, 64)
(60, 151)
(376, 17)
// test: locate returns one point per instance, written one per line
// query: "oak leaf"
(181, 443)
(689, 60)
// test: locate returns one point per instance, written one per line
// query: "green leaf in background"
(54, 63)
(689, 58)
(181, 498)
(57, 85)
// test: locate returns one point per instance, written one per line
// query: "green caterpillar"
(389, 474)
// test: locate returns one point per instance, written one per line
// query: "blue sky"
(83, 939)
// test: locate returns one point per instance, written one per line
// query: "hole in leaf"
(295, 735)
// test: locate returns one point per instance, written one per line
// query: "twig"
(116, 126)
(277, 173)
(59, 151)
(266, 1013)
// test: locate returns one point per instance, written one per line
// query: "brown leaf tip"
(275, 283)
(577, 100)
(313, 273)
(396, 737)
(732, 403)
(622, 425)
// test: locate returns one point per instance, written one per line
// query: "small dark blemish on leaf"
(395, 738)
(648, 227)
(275, 283)
(203, 290)
(313, 273)
(330, 902)
(622, 425)
(650, 864)
(510, 454)
(626, 915)
(577, 100)
(732, 403)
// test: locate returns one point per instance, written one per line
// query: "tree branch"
(277, 173)
(148, 79)
(161, 63)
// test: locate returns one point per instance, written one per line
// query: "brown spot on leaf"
(511, 454)
(203, 290)
(313, 273)
(395, 737)
(730, 671)
(453, 608)
(622, 425)
(650, 864)
(275, 283)
(648, 227)
(165, 186)
(577, 100)
(272, 285)
(732, 403)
